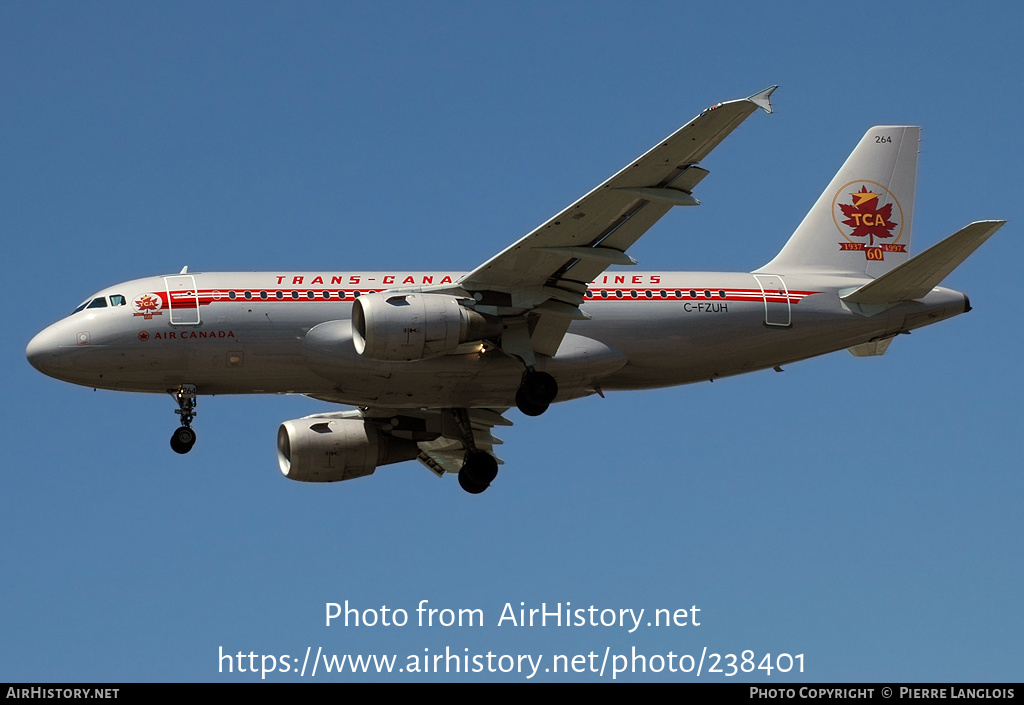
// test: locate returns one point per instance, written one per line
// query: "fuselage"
(251, 332)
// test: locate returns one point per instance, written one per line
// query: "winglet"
(763, 99)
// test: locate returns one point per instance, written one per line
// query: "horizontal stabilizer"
(917, 276)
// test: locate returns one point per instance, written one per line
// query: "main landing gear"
(479, 468)
(184, 438)
(536, 392)
(478, 471)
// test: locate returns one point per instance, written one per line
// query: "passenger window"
(117, 300)
(98, 302)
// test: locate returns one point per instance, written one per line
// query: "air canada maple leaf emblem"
(866, 218)
(864, 214)
(148, 305)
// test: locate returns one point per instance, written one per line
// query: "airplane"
(433, 361)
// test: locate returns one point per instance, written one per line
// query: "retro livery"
(432, 361)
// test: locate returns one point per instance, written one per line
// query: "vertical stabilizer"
(861, 224)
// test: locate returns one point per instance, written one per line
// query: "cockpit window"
(98, 302)
(81, 306)
(117, 300)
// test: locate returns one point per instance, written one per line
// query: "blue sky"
(862, 512)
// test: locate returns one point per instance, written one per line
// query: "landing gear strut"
(184, 438)
(536, 392)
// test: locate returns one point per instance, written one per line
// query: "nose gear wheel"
(184, 438)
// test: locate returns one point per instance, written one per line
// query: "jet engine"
(318, 449)
(401, 327)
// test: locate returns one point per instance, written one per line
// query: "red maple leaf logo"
(866, 218)
(147, 303)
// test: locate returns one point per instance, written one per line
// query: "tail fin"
(861, 224)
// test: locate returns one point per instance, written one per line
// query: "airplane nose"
(43, 351)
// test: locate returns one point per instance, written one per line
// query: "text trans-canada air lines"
(432, 361)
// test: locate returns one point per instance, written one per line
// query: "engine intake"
(330, 450)
(401, 327)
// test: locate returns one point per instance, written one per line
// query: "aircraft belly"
(483, 378)
(222, 354)
(673, 349)
(219, 368)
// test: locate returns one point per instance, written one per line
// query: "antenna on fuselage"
(184, 270)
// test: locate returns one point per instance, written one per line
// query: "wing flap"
(872, 348)
(447, 452)
(442, 435)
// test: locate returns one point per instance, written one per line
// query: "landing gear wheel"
(481, 467)
(527, 407)
(467, 485)
(478, 471)
(539, 388)
(536, 392)
(183, 440)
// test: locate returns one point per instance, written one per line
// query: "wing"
(443, 436)
(545, 274)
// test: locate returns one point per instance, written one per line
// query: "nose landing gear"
(184, 438)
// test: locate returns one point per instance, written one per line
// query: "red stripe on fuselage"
(595, 295)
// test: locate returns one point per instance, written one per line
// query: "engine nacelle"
(329, 450)
(401, 327)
